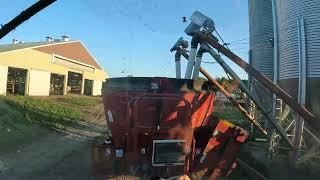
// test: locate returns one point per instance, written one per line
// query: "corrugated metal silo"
(294, 17)
(261, 31)
(261, 49)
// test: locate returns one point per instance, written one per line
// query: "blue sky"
(132, 37)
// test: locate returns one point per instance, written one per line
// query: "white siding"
(97, 87)
(39, 83)
(72, 65)
(3, 79)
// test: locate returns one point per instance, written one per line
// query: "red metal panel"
(133, 117)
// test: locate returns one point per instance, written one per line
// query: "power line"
(239, 40)
(224, 43)
(232, 44)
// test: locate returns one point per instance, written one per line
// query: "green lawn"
(15, 129)
(22, 118)
(233, 115)
(78, 101)
(42, 111)
(51, 111)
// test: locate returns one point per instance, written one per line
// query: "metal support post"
(197, 64)
(192, 57)
(302, 91)
(176, 47)
(178, 64)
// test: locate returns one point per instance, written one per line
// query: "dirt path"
(59, 155)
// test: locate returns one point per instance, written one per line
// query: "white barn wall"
(39, 83)
(3, 79)
(97, 87)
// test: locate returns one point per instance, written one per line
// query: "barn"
(51, 67)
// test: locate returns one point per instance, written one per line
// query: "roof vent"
(15, 41)
(65, 38)
(49, 39)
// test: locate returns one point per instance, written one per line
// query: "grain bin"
(261, 47)
(261, 32)
(299, 48)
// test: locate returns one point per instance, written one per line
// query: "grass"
(233, 115)
(22, 117)
(43, 106)
(48, 111)
(15, 129)
(78, 101)
(230, 113)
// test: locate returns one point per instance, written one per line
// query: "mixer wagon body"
(164, 127)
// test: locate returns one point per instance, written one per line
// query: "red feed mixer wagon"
(163, 127)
